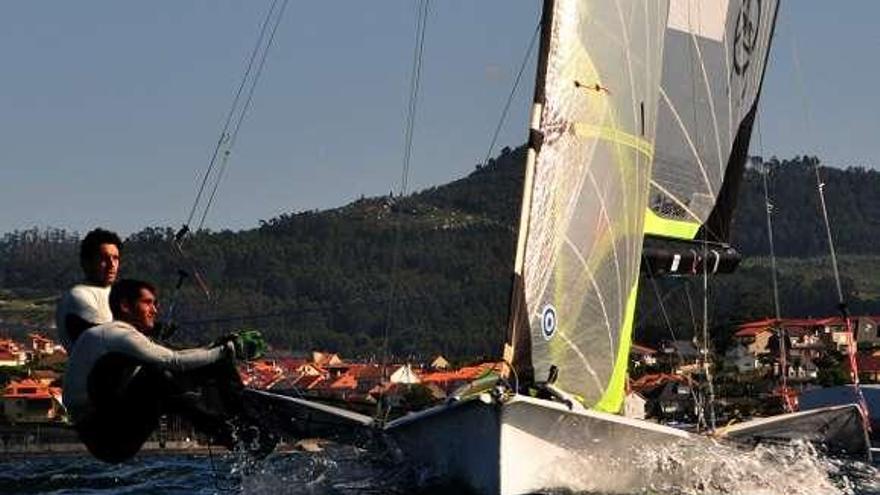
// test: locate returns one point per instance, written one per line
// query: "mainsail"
(581, 227)
(715, 55)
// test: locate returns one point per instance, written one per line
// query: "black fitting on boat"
(553, 374)
(536, 139)
(672, 257)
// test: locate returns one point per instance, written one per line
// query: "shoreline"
(46, 439)
(74, 449)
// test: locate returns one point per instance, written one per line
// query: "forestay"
(586, 189)
(714, 59)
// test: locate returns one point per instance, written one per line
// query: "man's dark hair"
(129, 291)
(90, 246)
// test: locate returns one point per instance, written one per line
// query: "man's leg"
(127, 409)
(110, 438)
(210, 398)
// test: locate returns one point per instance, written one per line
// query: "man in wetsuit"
(86, 304)
(119, 381)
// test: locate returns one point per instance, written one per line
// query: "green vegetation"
(325, 279)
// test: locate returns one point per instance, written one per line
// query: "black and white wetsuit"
(81, 307)
(118, 382)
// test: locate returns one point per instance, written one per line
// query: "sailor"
(86, 304)
(119, 381)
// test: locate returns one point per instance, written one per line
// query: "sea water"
(346, 470)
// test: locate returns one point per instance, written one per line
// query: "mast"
(517, 348)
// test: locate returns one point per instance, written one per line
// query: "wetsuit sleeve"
(140, 347)
(79, 305)
(77, 311)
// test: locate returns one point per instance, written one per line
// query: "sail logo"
(745, 37)
(548, 322)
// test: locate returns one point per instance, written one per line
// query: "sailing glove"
(246, 345)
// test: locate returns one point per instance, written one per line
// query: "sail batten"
(586, 190)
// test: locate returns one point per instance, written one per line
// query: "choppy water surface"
(343, 470)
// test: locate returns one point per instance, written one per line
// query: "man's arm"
(138, 346)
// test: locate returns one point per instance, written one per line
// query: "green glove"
(249, 345)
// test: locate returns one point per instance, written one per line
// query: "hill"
(853, 198)
(327, 279)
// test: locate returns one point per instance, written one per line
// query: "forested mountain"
(852, 195)
(433, 269)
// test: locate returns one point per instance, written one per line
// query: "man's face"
(141, 313)
(103, 268)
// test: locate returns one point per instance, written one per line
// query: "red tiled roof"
(654, 380)
(308, 381)
(344, 382)
(467, 373)
(365, 371)
(831, 321)
(289, 363)
(642, 349)
(30, 389)
(441, 377)
(754, 328)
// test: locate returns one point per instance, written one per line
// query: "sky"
(109, 110)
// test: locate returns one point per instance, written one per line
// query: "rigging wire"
(412, 106)
(765, 174)
(841, 300)
(645, 315)
(655, 286)
(512, 93)
(224, 136)
(225, 142)
(779, 330)
(690, 301)
(698, 400)
(693, 49)
(230, 142)
(704, 351)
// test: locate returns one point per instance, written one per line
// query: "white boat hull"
(523, 445)
(839, 430)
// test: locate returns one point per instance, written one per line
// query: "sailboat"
(591, 148)
(612, 157)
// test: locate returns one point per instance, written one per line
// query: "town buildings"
(30, 389)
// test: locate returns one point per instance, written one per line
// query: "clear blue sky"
(109, 110)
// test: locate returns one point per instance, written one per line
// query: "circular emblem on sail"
(548, 322)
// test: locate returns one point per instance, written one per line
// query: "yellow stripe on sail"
(612, 399)
(616, 136)
(667, 227)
